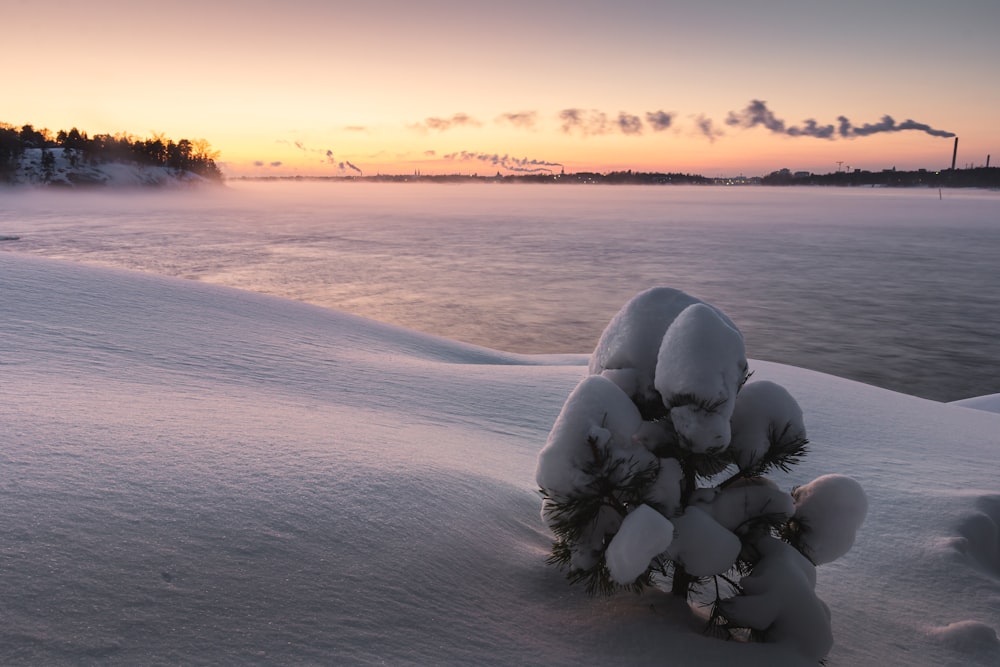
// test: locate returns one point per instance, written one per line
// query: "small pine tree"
(654, 474)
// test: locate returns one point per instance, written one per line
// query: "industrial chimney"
(954, 155)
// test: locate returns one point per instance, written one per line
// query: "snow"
(665, 491)
(702, 545)
(779, 599)
(193, 474)
(69, 173)
(764, 410)
(628, 347)
(990, 403)
(643, 534)
(829, 511)
(699, 369)
(597, 415)
(733, 506)
(968, 636)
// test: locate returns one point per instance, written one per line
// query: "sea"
(898, 288)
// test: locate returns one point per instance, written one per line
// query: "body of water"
(897, 288)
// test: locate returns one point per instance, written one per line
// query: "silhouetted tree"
(11, 150)
(48, 165)
(32, 138)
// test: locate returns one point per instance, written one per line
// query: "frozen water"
(886, 286)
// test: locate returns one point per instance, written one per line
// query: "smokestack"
(987, 161)
(954, 155)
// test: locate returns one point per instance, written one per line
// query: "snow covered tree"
(654, 475)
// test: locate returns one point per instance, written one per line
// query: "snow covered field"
(192, 474)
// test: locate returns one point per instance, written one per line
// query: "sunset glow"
(336, 88)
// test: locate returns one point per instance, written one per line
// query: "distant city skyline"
(336, 88)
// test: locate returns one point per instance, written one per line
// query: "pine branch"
(786, 450)
(783, 452)
(794, 532)
(699, 403)
(711, 463)
(615, 483)
(718, 625)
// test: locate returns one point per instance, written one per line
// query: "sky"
(329, 87)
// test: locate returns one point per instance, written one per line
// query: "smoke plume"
(887, 124)
(629, 124)
(443, 124)
(521, 119)
(706, 126)
(588, 122)
(756, 113)
(659, 120)
(507, 162)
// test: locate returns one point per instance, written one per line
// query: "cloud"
(507, 162)
(258, 163)
(355, 128)
(261, 163)
(521, 119)
(443, 124)
(276, 163)
(756, 113)
(659, 120)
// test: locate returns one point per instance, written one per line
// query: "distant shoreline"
(979, 177)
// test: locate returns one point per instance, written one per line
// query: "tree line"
(194, 156)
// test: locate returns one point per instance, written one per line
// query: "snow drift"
(192, 474)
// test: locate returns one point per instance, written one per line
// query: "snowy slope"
(67, 173)
(191, 474)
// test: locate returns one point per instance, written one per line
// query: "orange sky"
(330, 87)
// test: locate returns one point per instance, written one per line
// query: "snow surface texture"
(190, 474)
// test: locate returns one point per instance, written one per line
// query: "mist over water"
(897, 288)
